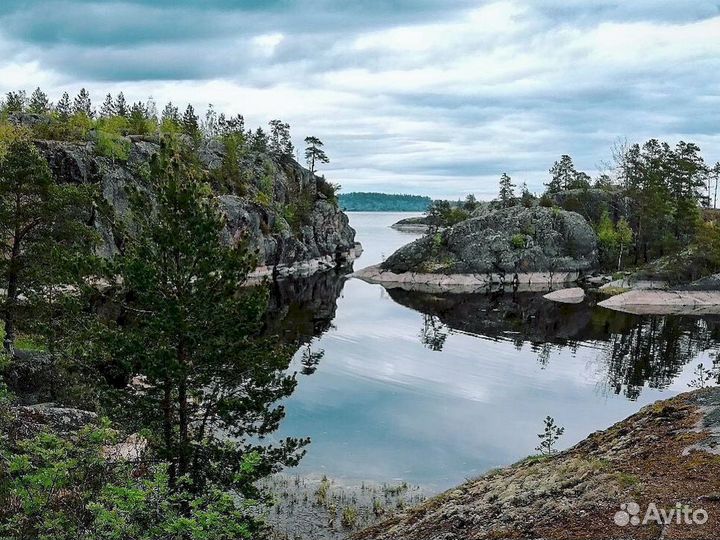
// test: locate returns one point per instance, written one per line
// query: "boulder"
(573, 295)
(31, 420)
(511, 241)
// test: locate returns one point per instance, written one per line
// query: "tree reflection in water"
(635, 351)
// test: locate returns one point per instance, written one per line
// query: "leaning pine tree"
(191, 334)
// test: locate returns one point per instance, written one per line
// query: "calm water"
(433, 389)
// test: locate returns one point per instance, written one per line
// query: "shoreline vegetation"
(155, 376)
(165, 385)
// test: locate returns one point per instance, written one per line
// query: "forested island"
(383, 202)
(653, 216)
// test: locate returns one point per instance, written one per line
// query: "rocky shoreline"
(664, 457)
(464, 283)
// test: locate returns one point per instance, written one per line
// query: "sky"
(435, 97)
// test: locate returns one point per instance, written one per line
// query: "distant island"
(383, 202)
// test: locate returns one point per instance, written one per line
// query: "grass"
(24, 342)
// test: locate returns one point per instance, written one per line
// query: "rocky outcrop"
(525, 245)
(665, 455)
(268, 192)
(412, 224)
(572, 295)
(658, 302)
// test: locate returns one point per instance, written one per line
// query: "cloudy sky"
(433, 97)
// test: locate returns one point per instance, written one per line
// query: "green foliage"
(546, 201)
(45, 233)
(383, 202)
(67, 490)
(314, 153)
(549, 437)
(507, 195)
(110, 145)
(194, 337)
(297, 213)
(329, 190)
(518, 241)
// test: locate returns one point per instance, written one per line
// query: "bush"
(546, 201)
(113, 146)
(518, 241)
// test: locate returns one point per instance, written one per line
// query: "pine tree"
(138, 119)
(83, 104)
(63, 108)
(193, 335)
(39, 103)
(507, 194)
(314, 152)
(170, 113)
(108, 107)
(15, 101)
(259, 141)
(121, 108)
(189, 122)
(280, 141)
(39, 219)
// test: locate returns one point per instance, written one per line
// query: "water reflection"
(432, 389)
(636, 351)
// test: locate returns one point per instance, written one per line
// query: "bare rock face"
(266, 188)
(503, 241)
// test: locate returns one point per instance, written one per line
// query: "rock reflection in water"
(635, 351)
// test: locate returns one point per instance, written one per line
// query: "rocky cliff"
(274, 203)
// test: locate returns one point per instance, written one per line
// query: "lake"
(434, 389)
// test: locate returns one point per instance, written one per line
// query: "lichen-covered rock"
(265, 187)
(503, 241)
(664, 455)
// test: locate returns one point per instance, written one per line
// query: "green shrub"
(113, 146)
(518, 241)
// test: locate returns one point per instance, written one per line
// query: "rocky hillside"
(503, 241)
(275, 203)
(664, 457)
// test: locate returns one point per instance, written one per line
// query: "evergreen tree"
(190, 125)
(137, 119)
(63, 108)
(108, 107)
(259, 141)
(170, 114)
(192, 333)
(526, 198)
(314, 152)
(39, 103)
(280, 141)
(507, 194)
(121, 107)
(39, 220)
(15, 101)
(83, 104)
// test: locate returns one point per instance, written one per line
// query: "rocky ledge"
(521, 246)
(274, 203)
(662, 459)
(417, 224)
